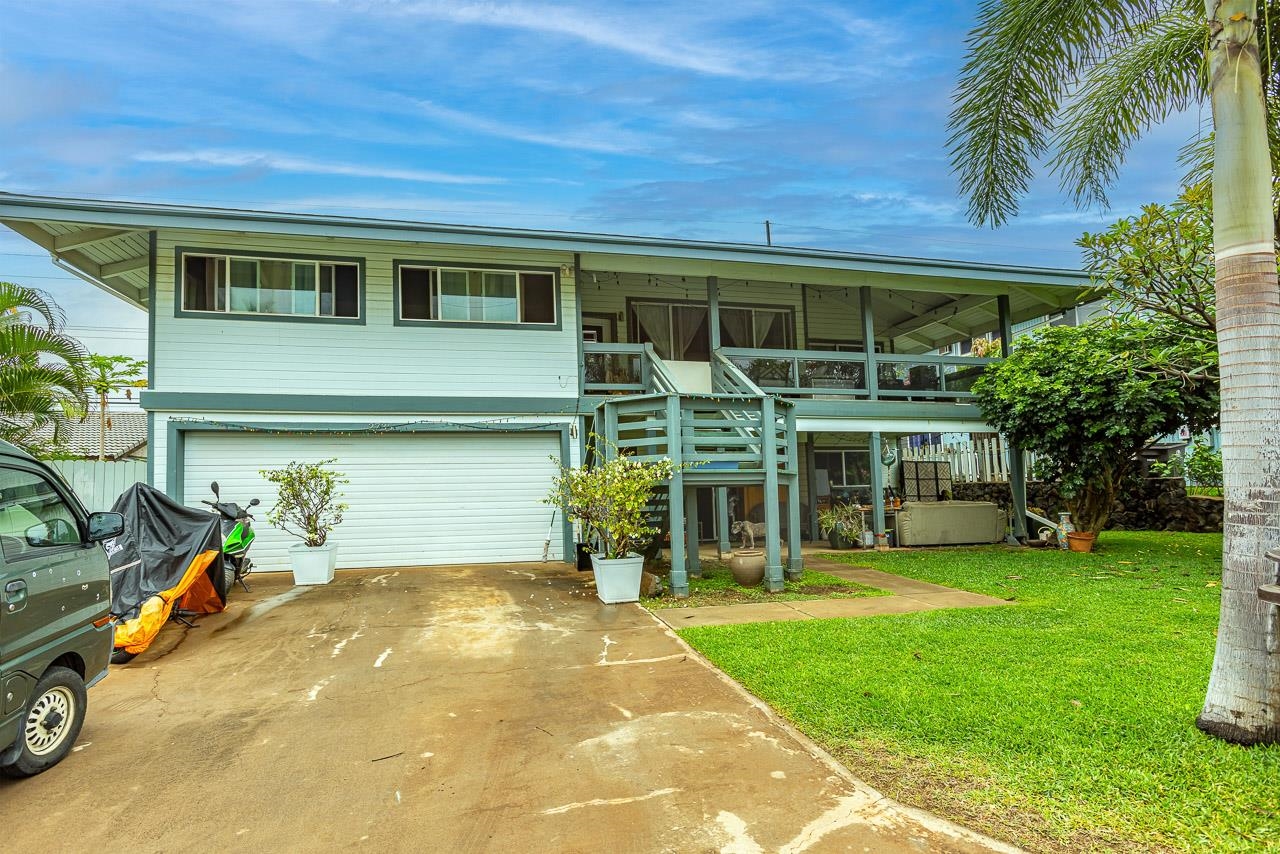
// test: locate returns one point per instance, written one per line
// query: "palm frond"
(1158, 71)
(14, 298)
(1023, 58)
(23, 342)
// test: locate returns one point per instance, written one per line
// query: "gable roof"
(126, 433)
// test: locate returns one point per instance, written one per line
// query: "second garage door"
(414, 499)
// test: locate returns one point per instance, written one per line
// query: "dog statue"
(748, 531)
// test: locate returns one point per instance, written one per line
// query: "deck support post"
(1017, 463)
(713, 311)
(811, 473)
(877, 491)
(795, 559)
(722, 520)
(679, 577)
(693, 528)
(869, 342)
(773, 574)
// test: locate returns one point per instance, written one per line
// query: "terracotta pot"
(747, 566)
(1081, 541)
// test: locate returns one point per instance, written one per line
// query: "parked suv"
(55, 600)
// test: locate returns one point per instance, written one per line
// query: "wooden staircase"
(735, 435)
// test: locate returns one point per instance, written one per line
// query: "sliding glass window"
(476, 296)
(269, 286)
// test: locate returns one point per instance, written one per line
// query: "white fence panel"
(984, 460)
(99, 484)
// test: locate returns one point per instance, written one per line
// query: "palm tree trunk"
(1243, 700)
(102, 426)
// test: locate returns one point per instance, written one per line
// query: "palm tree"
(1078, 82)
(107, 374)
(42, 370)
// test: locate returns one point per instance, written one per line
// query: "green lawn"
(1064, 723)
(717, 587)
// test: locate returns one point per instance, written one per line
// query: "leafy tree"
(1159, 264)
(1085, 400)
(1078, 83)
(108, 374)
(42, 370)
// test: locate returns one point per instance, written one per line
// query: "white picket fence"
(99, 484)
(982, 460)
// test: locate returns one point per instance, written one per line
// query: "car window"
(33, 516)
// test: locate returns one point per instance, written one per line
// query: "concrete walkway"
(906, 595)
(498, 708)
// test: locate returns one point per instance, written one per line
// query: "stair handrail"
(660, 378)
(732, 377)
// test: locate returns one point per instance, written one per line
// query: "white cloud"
(304, 165)
(602, 137)
(633, 35)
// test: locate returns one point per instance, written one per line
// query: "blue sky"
(693, 120)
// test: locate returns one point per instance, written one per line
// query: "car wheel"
(122, 656)
(51, 724)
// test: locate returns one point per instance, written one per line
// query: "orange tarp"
(194, 592)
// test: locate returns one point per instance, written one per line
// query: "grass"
(717, 587)
(1064, 723)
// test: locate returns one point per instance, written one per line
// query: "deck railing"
(611, 369)
(795, 373)
(821, 373)
(614, 368)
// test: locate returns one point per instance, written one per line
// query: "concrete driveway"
(497, 708)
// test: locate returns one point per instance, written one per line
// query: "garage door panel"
(414, 499)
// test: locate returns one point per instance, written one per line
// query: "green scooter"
(237, 536)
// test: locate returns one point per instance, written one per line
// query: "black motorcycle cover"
(167, 555)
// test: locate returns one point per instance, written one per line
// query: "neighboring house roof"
(126, 434)
(108, 241)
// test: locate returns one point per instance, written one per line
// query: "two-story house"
(448, 370)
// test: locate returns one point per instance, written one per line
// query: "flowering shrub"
(307, 504)
(609, 501)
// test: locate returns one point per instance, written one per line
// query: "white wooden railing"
(980, 460)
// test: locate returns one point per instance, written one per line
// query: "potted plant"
(308, 507)
(842, 525)
(610, 501)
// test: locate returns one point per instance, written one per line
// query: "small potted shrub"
(308, 507)
(842, 525)
(610, 501)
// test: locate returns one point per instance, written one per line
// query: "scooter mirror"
(253, 502)
(214, 488)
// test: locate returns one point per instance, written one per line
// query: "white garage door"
(415, 499)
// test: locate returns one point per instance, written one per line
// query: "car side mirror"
(54, 532)
(104, 526)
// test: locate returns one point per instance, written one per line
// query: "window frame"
(179, 290)
(65, 495)
(506, 269)
(633, 332)
(864, 452)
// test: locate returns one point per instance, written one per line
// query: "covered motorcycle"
(168, 556)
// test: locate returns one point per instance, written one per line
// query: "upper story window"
(235, 284)
(477, 296)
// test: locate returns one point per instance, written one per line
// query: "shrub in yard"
(307, 500)
(610, 500)
(1087, 399)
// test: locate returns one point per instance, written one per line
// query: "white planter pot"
(618, 580)
(313, 565)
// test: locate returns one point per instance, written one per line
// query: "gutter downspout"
(93, 280)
